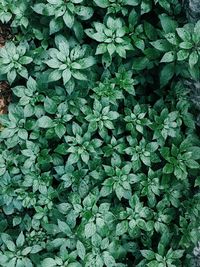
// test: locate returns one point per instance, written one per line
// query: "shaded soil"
(5, 96)
(5, 92)
(5, 34)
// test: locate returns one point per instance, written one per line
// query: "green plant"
(13, 59)
(99, 149)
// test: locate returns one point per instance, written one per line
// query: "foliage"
(99, 150)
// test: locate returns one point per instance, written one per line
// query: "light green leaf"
(122, 228)
(102, 3)
(86, 62)
(168, 57)
(68, 19)
(85, 156)
(66, 76)
(60, 130)
(184, 34)
(73, 158)
(148, 254)
(49, 262)
(90, 229)
(20, 240)
(108, 259)
(55, 76)
(55, 25)
(64, 227)
(193, 58)
(80, 249)
(79, 75)
(62, 44)
(45, 122)
(182, 55)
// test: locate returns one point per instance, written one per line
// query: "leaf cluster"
(100, 154)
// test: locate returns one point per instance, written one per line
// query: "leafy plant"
(69, 64)
(99, 148)
(112, 38)
(12, 61)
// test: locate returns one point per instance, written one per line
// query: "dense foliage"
(99, 150)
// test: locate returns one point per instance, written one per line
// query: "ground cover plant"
(100, 146)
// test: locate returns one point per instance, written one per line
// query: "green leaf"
(177, 254)
(101, 49)
(11, 76)
(168, 168)
(90, 229)
(102, 3)
(184, 34)
(111, 49)
(10, 245)
(20, 240)
(122, 228)
(66, 76)
(186, 45)
(153, 264)
(140, 63)
(49, 262)
(86, 63)
(68, 19)
(131, 2)
(64, 228)
(161, 45)
(168, 57)
(73, 158)
(55, 76)
(45, 122)
(79, 76)
(113, 115)
(192, 164)
(62, 44)
(85, 156)
(50, 105)
(55, 26)
(193, 59)
(167, 74)
(78, 30)
(195, 152)
(53, 63)
(80, 249)
(108, 259)
(23, 134)
(60, 130)
(182, 55)
(148, 254)
(168, 24)
(25, 60)
(23, 72)
(133, 17)
(195, 36)
(76, 129)
(74, 264)
(150, 31)
(85, 12)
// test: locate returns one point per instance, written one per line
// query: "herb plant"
(100, 152)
